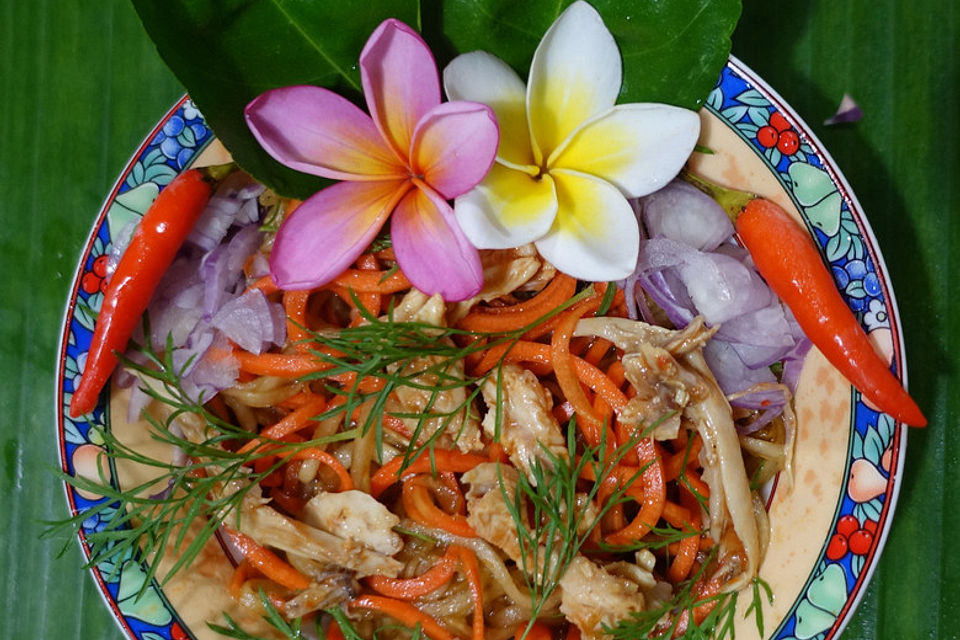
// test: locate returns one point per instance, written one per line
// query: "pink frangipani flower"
(404, 161)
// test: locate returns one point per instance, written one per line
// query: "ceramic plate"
(829, 521)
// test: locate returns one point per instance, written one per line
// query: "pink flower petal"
(400, 82)
(326, 233)
(316, 131)
(431, 249)
(482, 77)
(454, 146)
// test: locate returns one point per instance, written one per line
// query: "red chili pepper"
(788, 260)
(164, 227)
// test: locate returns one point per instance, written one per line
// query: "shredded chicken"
(272, 529)
(663, 388)
(356, 516)
(487, 509)
(417, 306)
(504, 271)
(669, 372)
(324, 592)
(460, 427)
(593, 597)
(528, 426)
(731, 501)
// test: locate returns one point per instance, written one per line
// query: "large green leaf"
(672, 51)
(226, 52)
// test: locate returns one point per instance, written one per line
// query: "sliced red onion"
(249, 212)
(259, 265)
(689, 265)
(730, 371)
(222, 268)
(217, 369)
(164, 493)
(669, 297)
(250, 322)
(213, 225)
(719, 286)
(683, 213)
(233, 203)
(793, 361)
(188, 354)
(201, 283)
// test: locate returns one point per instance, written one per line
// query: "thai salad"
(515, 373)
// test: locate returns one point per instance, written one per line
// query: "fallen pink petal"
(849, 111)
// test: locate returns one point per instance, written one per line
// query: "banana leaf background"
(80, 85)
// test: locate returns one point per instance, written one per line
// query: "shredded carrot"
(364, 281)
(295, 306)
(404, 613)
(420, 507)
(519, 351)
(686, 556)
(471, 569)
(287, 501)
(566, 372)
(410, 588)
(369, 300)
(593, 302)
(600, 383)
(238, 578)
(452, 492)
(441, 460)
(273, 479)
(563, 411)
(291, 423)
(597, 351)
(692, 479)
(496, 319)
(673, 466)
(571, 371)
(368, 262)
(616, 373)
(496, 453)
(282, 365)
(654, 496)
(334, 632)
(267, 562)
(538, 631)
(264, 284)
(613, 518)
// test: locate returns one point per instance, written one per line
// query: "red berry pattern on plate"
(780, 134)
(851, 536)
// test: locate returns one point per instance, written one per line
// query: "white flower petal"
(637, 147)
(595, 235)
(481, 77)
(575, 75)
(508, 209)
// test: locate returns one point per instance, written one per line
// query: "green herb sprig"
(676, 618)
(140, 522)
(142, 526)
(291, 629)
(548, 501)
(402, 354)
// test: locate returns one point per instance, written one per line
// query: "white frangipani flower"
(568, 158)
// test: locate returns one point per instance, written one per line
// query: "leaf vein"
(315, 45)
